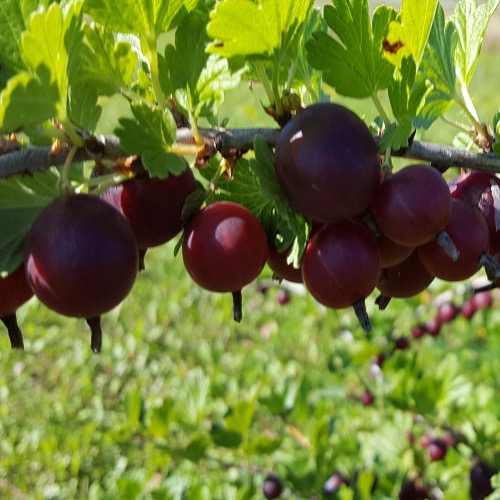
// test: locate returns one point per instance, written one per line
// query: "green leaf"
(241, 416)
(471, 22)
(13, 16)
(42, 92)
(49, 41)
(107, 65)
(190, 41)
(195, 450)
(289, 225)
(134, 406)
(160, 418)
(148, 18)
(411, 30)
(150, 135)
(353, 62)
(263, 444)
(438, 69)
(200, 85)
(261, 29)
(11, 26)
(226, 438)
(83, 109)
(406, 99)
(495, 481)
(215, 79)
(129, 487)
(21, 201)
(305, 75)
(364, 483)
(426, 394)
(28, 100)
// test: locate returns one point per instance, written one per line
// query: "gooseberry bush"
(113, 144)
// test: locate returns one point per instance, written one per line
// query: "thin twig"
(32, 159)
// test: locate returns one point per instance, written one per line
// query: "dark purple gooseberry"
(14, 292)
(272, 487)
(480, 480)
(224, 249)
(469, 232)
(412, 206)
(401, 343)
(281, 268)
(437, 449)
(481, 300)
(413, 489)
(391, 253)
(81, 256)
(406, 279)
(153, 206)
(482, 191)
(327, 163)
(341, 266)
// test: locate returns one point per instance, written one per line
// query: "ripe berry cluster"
(420, 228)
(83, 252)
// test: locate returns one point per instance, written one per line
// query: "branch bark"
(30, 159)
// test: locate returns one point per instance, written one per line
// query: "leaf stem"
(454, 123)
(380, 109)
(469, 108)
(65, 181)
(276, 91)
(71, 133)
(261, 72)
(212, 186)
(104, 182)
(155, 74)
(198, 138)
(185, 149)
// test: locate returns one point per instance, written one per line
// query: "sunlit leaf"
(352, 61)
(408, 35)
(248, 28)
(471, 22)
